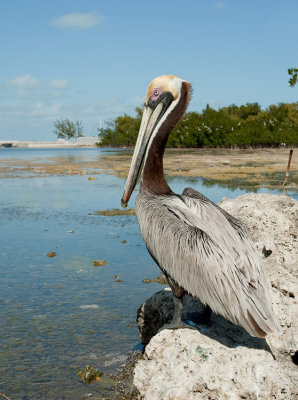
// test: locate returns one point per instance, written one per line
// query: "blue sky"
(90, 59)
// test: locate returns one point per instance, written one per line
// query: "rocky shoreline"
(221, 361)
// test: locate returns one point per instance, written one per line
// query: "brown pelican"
(201, 249)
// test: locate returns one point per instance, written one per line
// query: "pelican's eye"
(155, 94)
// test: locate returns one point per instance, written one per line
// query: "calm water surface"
(59, 314)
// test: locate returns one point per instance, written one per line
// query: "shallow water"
(59, 314)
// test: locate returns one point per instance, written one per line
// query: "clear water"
(59, 314)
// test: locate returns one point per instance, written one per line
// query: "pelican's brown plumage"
(202, 250)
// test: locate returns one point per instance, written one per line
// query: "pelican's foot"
(178, 325)
(200, 317)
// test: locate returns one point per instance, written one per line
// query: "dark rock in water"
(158, 311)
(154, 313)
(52, 254)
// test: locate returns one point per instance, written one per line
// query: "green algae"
(159, 279)
(89, 374)
(115, 211)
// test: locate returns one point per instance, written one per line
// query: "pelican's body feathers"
(208, 253)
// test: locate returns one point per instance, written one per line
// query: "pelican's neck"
(153, 179)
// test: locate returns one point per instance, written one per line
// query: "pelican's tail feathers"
(258, 317)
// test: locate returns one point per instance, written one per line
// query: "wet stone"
(52, 254)
(99, 263)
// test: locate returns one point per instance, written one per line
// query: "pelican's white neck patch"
(175, 84)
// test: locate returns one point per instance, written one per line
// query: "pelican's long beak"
(149, 119)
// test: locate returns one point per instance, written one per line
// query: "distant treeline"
(233, 126)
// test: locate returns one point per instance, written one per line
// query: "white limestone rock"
(188, 365)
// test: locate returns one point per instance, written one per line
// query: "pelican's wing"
(210, 255)
(238, 225)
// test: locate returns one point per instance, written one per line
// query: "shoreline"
(233, 168)
(60, 143)
(93, 143)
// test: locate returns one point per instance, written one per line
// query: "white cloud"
(29, 87)
(23, 111)
(24, 82)
(58, 84)
(77, 21)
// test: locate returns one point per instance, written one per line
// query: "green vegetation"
(239, 126)
(123, 131)
(66, 129)
(293, 72)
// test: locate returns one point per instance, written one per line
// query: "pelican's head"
(167, 96)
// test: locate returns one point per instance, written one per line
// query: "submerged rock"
(159, 279)
(89, 374)
(222, 361)
(99, 263)
(52, 254)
